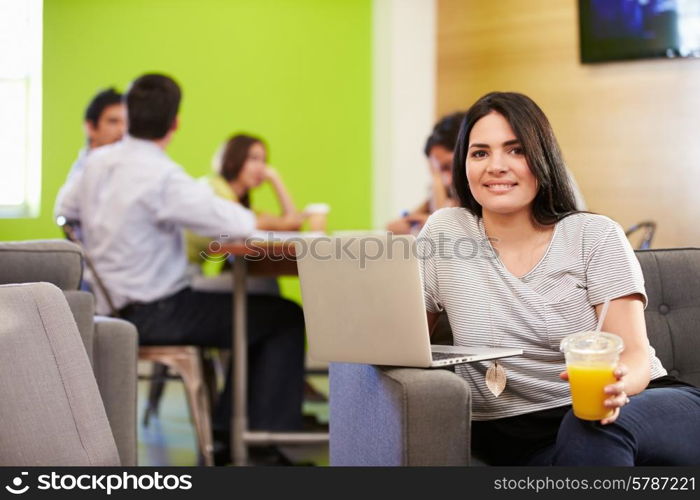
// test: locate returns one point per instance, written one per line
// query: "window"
(20, 107)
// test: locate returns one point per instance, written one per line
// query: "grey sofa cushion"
(54, 261)
(672, 279)
(51, 412)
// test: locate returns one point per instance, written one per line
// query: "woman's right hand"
(270, 173)
(411, 223)
(417, 219)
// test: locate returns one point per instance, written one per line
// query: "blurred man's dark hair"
(152, 102)
(445, 133)
(102, 100)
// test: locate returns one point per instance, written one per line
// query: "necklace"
(496, 378)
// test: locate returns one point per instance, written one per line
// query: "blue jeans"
(659, 426)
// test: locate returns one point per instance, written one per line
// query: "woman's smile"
(500, 187)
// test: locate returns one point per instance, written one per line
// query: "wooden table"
(259, 258)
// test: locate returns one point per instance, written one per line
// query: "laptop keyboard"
(439, 356)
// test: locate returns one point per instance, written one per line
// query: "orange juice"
(591, 358)
(587, 396)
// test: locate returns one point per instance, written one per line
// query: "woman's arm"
(625, 318)
(415, 219)
(283, 196)
(290, 220)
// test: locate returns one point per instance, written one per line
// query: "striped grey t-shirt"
(588, 260)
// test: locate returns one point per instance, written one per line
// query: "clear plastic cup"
(591, 358)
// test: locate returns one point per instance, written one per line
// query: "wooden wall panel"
(630, 131)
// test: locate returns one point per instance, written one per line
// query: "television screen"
(635, 29)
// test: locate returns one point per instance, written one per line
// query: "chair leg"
(159, 375)
(190, 369)
(209, 370)
(222, 364)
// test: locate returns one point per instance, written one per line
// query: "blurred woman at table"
(240, 166)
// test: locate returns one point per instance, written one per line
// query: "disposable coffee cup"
(317, 214)
(591, 358)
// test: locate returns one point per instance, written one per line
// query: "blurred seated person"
(439, 149)
(105, 123)
(133, 203)
(240, 166)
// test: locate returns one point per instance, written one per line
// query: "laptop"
(363, 303)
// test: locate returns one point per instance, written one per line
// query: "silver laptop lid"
(363, 300)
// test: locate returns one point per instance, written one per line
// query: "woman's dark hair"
(234, 157)
(555, 198)
(152, 102)
(444, 133)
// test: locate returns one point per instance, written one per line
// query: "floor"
(169, 439)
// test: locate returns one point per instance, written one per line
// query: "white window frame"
(31, 195)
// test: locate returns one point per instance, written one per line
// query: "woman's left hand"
(617, 397)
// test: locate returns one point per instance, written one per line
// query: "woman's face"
(499, 177)
(253, 171)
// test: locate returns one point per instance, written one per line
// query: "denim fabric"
(659, 426)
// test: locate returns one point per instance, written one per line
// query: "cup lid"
(317, 208)
(592, 343)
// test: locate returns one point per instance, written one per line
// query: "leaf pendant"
(496, 378)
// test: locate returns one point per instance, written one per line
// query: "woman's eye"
(517, 151)
(478, 154)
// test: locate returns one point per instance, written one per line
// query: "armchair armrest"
(398, 416)
(115, 350)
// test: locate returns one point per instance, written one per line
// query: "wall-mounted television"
(636, 29)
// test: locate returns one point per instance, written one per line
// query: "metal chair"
(649, 228)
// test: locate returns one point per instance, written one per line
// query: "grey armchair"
(110, 345)
(408, 416)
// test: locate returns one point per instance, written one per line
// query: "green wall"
(295, 72)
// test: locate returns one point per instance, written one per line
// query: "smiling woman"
(498, 175)
(552, 269)
(534, 147)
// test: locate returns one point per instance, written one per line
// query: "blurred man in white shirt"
(133, 203)
(105, 123)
